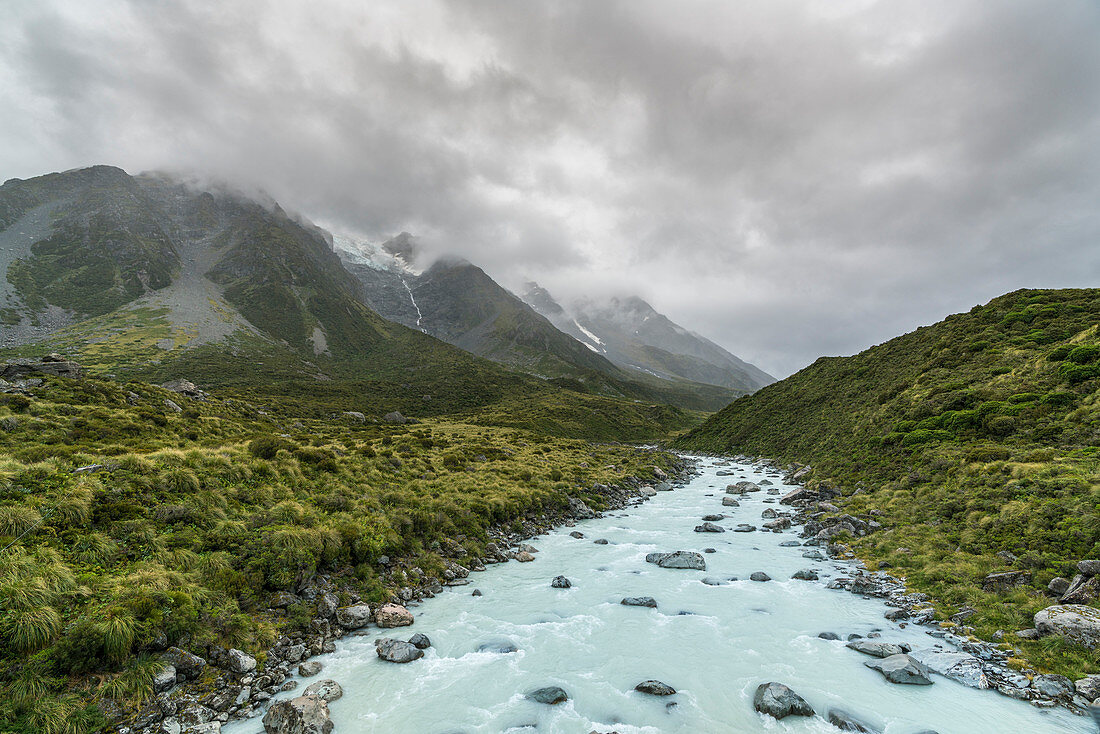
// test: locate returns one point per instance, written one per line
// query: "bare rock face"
(301, 715)
(1006, 581)
(51, 364)
(1082, 590)
(393, 615)
(1076, 622)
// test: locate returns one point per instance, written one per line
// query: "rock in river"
(778, 701)
(709, 527)
(560, 582)
(805, 574)
(397, 651)
(953, 664)
(902, 669)
(844, 721)
(301, 715)
(393, 615)
(678, 559)
(326, 690)
(760, 576)
(353, 617)
(550, 695)
(639, 601)
(655, 688)
(878, 649)
(420, 641)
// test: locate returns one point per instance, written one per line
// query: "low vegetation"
(127, 525)
(978, 439)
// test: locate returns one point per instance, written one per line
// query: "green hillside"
(974, 436)
(141, 525)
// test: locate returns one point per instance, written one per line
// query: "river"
(713, 643)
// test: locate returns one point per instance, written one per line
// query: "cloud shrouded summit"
(788, 178)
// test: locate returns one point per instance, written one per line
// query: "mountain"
(634, 336)
(973, 441)
(457, 302)
(156, 278)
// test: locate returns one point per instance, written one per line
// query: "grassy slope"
(202, 514)
(975, 435)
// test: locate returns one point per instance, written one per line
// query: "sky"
(788, 178)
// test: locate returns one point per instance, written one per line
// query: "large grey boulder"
(186, 664)
(301, 715)
(239, 661)
(1088, 687)
(902, 669)
(1090, 567)
(551, 695)
(580, 510)
(678, 559)
(560, 582)
(326, 690)
(353, 617)
(878, 649)
(959, 666)
(730, 502)
(1006, 581)
(164, 678)
(779, 701)
(1057, 687)
(1075, 622)
(1082, 590)
(397, 651)
(639, 601)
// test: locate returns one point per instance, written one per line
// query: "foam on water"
(732, 637)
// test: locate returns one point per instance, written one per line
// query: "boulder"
(780, 523)
(877, 649)
(294, 653)
(798, 495)
(844, 721)
(576, 534)
(395, 417)
(678, 559)
(501, 647)
(524, 557)
(902, 669)
(327, 605)
(639, 601)
(354, 416)
(551, 695)
(1082, 590)
(1088, 687)
(1089, 567)
(601, 541)
(1057, 687)
(1076, 622)
(806, 574)
(769, 514)
(164, 678)
(309, 669)
(779, 701)
(958, 666)
(730, 502)
(327, 690)
(420, 641)
(760, 576)
(655, 688)
(239, 661)
(647, 491)
(829, 636)
(186, 664)
(560, 582)
(580, 510)
(397, 651)
(353, 617)
(1007, 581)
(393, 615)
(301, 715)
(744, 528)
(1058, 586)
(709, 527)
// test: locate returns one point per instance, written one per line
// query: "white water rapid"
(713, 643)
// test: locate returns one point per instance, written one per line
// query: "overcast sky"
(790, 179)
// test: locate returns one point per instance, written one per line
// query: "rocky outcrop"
(877, 649)
(1007, 581)
(958, 666)
(1075, 622)
(301, 715)
(779, 701)
(51, 364)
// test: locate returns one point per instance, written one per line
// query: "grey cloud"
(788, 178)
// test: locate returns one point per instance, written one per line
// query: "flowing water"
(714, 644)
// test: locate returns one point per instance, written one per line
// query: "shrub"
(266, 447)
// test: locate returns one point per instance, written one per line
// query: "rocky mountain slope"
(975, 441)
(633, 335)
